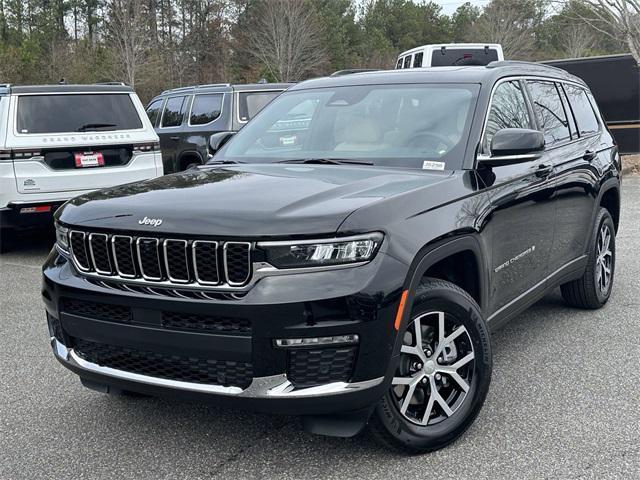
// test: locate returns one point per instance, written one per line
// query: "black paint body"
(491, 214)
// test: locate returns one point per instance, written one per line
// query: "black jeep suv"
(184, 118)
(348, 270)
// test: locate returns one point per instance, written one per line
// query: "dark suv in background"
(345, 255)
(184, 118)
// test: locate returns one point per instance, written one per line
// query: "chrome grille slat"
(146, 256)
(125, 267)
(99, 250)
(205, 263)
(237, 271)
(165, 262)
(78, 248)
(176, 261)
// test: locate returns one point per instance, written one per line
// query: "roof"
(452, 46)
(100, 88)
(488, 74)
(226, 87)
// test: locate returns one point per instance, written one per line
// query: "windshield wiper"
(327, 161)
(94, 126)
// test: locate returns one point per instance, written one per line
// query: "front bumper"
(355, 301)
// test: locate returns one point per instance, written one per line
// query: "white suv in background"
(59, 141)
(450, 54)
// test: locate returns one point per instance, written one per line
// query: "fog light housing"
(349, 339)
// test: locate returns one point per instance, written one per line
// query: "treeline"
(158, 44)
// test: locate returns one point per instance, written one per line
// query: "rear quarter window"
(582, 110)
(250, 103)
(62, 113)
(153, 111)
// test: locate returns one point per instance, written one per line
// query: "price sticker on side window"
(89, 159)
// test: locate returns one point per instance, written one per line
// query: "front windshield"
(394, 125)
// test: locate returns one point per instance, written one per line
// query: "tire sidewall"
(446, 298)
(603, 218)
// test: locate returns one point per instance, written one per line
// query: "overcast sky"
(449, 6)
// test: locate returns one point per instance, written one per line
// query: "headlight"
(62, 237)
(318, 253)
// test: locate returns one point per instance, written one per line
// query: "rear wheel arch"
(610, 199)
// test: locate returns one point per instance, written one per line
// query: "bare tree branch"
(286, 39)
(618, 19)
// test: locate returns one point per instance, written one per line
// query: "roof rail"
(111, 83)
(510, 63)
(194, 87)
(350, 71)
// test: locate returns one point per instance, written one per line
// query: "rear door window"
(174, 112)
(582, 110)
(250, 103)
(205, 109)
(153, 111)
(550, 113)
(86, 112)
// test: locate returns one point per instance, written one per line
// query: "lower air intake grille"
(206, 323)
(170, 367)
(98, 311)
(311, 367)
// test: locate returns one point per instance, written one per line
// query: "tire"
(408, 432)
(588, 291)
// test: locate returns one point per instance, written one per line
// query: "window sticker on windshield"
(429, 165)
(288, 141)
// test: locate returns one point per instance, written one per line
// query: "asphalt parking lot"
(564, 403)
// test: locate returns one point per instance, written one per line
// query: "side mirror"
(514, 145)
(217, 140)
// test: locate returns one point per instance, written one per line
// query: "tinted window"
(407, 61)
(250, 103)
(173, 112)
(582, 110)
(153, 111)
(205, 109)
(399, 64)
(462, 56)
(76, 113)
(508, 110)
(417, 59)
(549, 111)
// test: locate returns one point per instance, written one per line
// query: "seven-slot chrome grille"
(159, 260)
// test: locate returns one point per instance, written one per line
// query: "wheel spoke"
(463, 361)
(447, 341)
(459, 380)
(441, 401)
(440, 331)
(407, 398)
(418, 335)
(428, 410)
(401, 380)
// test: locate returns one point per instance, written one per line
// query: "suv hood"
(245, 200)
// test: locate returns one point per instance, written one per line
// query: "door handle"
(589, 155)
(175, 139)
(544, 170)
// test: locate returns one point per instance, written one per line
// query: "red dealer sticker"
(89, 159)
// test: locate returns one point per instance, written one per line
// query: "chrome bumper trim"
(275, 386)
